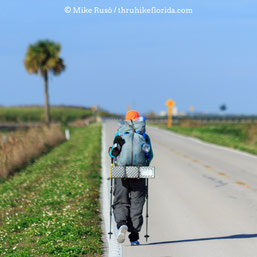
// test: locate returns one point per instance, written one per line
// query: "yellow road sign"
(170, 103)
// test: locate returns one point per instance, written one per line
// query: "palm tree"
(223, 107)
(43, 58)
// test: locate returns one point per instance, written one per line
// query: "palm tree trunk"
(47, 114)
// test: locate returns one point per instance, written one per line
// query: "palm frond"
(44, 57)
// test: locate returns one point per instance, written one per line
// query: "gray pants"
(129, 199)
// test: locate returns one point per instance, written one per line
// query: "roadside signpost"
(93, 108)
(170, 104)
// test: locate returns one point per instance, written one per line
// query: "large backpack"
(133, 134)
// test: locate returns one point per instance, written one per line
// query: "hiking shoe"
(133, 243)
(122, 233)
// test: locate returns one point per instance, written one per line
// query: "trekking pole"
(146, 215)
(111, 182)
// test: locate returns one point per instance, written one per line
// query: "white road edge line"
(199, 141)
(114, 248)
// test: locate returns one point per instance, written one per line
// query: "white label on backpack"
(147, 172)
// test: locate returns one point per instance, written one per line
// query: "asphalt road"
(203, 201)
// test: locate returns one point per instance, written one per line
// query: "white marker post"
(67, 134)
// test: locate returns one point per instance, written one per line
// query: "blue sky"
(203, 59)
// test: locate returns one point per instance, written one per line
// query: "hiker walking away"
(131, 147)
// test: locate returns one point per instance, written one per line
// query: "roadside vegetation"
(23, 146)
(37, 114)
(241, 136)
(52, 207)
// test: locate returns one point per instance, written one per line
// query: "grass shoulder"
(52, 207)
(237, 136)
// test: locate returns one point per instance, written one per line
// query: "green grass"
(4, 131)
(238, 136)
(52, 207)
(36, 114)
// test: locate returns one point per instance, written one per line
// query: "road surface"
(203, 201)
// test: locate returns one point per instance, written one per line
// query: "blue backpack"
(132, 153)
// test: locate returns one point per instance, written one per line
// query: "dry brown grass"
(20, 147)
(187, 123)
(82, 123)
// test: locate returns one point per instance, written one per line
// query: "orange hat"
(132, 115)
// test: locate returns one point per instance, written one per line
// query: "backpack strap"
(143, 134)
